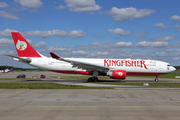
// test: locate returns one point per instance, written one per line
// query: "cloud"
(177, 27)
(165, 38)
(59, 48)
(77, 33)
(99, 36)
(60, 7)
(80, 53)
(175, 18)
(176, 58)
(108, 45)
(118, 45)
(7, 33)
(39, 45)
(3, 40)
(119, 31)
(82, 5)
(176, 45)
(40, 34)
(160, 54)
(141, 35)
(145, 44)
(46, 34)
(3, 5)
(6, 43)
(30, 3)
(160, 25)
(124, 44)
(172, 50)
(126, 14)
(9, 15)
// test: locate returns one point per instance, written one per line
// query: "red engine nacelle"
(117, 74)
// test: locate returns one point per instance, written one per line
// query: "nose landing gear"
(157, 78)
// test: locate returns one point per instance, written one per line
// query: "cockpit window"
(168, 65)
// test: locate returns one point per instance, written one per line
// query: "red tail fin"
(23, 48)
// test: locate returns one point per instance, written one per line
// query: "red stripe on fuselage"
(104, 74)
(77, 72)
(145, 73)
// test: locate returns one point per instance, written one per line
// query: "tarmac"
(122, 103)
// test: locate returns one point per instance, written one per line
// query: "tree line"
(17, 68)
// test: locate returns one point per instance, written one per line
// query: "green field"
(151, 84)
(58, 86)
(43, 86)
(170, 75)
(79, 77)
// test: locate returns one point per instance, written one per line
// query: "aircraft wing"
(82, 65)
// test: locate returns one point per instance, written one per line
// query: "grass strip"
(151, 84)
(155, 84)
(20, 79)
(79, 77)
(43, 86)
(169, 75)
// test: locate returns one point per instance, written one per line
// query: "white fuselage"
(131, 66)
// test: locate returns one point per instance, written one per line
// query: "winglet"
(54, 55)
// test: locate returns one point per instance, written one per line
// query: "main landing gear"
(157, 78)
(93, 79)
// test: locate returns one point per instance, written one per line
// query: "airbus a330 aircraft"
(114, 68)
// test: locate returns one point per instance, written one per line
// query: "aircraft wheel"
(90, 79)
(95, 79)
(156, 80)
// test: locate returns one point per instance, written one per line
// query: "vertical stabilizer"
(23, 48)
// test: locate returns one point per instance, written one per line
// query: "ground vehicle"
(21, 76)
(34, 76)
(42, 76)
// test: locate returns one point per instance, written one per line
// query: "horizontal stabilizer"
(25, 60)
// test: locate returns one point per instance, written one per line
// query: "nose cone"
(172, 68)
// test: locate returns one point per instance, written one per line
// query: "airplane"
(6, 70)
(114, 68)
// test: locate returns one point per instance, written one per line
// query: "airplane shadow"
(85, 81)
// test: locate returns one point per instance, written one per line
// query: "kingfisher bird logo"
(21, 45)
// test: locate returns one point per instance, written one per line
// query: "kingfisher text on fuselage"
(127, 63)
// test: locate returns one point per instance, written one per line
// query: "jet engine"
(117, 74)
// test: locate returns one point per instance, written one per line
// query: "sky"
(116, 29)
